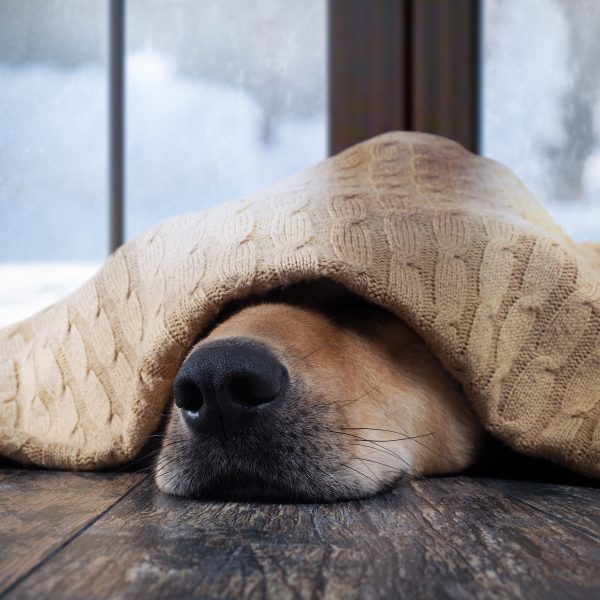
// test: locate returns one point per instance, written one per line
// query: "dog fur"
(367, 405)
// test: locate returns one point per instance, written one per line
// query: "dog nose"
(226, 385)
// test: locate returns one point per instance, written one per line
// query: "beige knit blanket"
(448, 241)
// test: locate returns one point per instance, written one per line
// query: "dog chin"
(243, 488)
(238, 488)
(241, 471)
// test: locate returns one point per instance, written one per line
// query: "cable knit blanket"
(450, 242)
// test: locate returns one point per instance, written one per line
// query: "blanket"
(450, 242)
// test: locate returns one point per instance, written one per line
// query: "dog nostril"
(250, 390)
(187, 395)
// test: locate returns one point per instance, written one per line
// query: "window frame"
(404, 64)
(116, 122)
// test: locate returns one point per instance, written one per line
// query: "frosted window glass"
(53, 206)
(224, 97)
(541, 102)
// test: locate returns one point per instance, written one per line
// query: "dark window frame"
(404, 65)
(116, 122)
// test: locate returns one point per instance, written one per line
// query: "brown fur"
(375, 403)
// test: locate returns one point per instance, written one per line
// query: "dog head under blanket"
(449, 242)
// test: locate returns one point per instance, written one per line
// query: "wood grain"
(450, 537)
(40, 511)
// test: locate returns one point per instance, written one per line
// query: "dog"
(311, 394)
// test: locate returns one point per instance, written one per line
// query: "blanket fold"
(448, 241)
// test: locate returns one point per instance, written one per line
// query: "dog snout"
(226, 385)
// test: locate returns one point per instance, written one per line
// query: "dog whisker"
(376, 429)
(346, 466)
(164, 468)
(163, 464)
(317, 468)
(361, 460)
(134, 471)
(395, 470)
(372, 389)
(311, 353)
(400, 439)
(375, 443)
(388, 452)
(173, 443)
(416, 438)
(135, 462)
(173, 478)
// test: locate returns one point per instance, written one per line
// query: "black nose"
(226, 385)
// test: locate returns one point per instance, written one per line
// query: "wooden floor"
(73, 535)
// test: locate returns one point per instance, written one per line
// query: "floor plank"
(572, 505)
(40, 511)
(450, 537)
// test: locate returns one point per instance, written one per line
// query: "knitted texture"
(450, 242)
